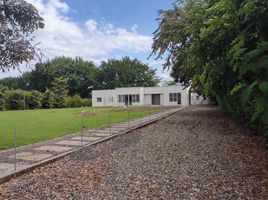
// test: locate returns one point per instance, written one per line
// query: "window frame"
(135, 98)
(121, 98)
(173, 97)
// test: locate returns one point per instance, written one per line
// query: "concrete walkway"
(24, 158)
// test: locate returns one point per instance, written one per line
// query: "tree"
(10, 82)
(80, 74)
(42, 77)
(48, 100)
(2, 97)
(18, 19)
(60, 92)
(35, 100)
(126, 73)
(15, 100)
(221, 47)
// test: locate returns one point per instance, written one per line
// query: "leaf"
(246, 92)
(264, 117)
(237, 88)
(258, 109)
(263, 86)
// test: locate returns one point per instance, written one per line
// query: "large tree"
(126, 72)
(18, 19)
(80, 74)
(221, 47)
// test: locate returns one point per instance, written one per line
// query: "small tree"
(15, 100)
(48, 99)
(2, 97)
(35, 100)
(60, 91)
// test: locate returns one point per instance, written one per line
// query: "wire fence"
(31, 144)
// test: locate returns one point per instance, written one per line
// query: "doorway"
(128, 100)
(155, 99)
(179, 99)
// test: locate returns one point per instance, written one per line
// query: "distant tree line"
(55, 97)
(83, 76)
(68, 82)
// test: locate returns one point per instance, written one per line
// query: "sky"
(98, 30)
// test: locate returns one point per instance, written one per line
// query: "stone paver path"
(30, 155)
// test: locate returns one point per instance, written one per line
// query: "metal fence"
(19, 157)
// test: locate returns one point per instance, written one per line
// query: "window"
(197, 97)
(175, 97)
(121, 98)
(99, 99)
(110, 99)
(135, 98)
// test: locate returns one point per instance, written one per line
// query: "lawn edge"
(8, 176)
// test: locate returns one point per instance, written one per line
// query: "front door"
(128, 100)
(179, 98)
(155, 99)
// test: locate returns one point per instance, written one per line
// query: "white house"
(142, 96)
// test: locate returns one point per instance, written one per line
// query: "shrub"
(35, 100)
(2, 97)
(48, 99)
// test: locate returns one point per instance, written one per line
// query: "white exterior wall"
(105, 95)
(147, 99)
(145, 95)
(164, 94)
(130, 91)
(197, 99)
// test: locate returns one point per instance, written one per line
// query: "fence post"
(82, 126)
(128, 119)
(110, 120)
(140, 117)
(15, 148)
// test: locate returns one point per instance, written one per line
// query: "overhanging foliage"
(220, 46)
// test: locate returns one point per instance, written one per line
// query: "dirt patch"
(92, 113)
(88, 113)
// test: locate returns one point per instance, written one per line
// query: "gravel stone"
(198, 153)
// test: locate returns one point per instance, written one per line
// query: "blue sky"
(122, 13)
(98, 29)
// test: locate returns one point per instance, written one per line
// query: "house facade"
(144, 96)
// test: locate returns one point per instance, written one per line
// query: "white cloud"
(134, 28)
(93, 40)
(91, 25)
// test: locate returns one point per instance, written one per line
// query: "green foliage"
(59, 88)
(77, 101)
(35, 100)
(221, 46)
(3, 91)
(83, 76)
(126, 73)
(15, 100)
(48, 100)
(23, 99)
(18, 19)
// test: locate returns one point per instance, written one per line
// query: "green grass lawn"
(39, 125)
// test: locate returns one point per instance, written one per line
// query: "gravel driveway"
(198, 153)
